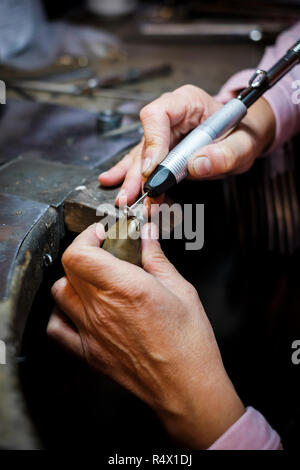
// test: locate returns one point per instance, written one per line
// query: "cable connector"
(259, 78)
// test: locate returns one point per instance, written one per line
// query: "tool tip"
(139, 201)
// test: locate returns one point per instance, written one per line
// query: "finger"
(231, 155)
(157, 120)
(117, 173)
(157, 133)
(184, 107)
(60, 330)
(68, 301)
(91, 236)
(154, 260)
(131, 186)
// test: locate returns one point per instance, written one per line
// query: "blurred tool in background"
(112, 8)
(96, 84)
(214, 20)
(40, 42)
(29, 41)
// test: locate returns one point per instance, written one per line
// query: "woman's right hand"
(168, 119)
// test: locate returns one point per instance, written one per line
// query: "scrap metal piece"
(123, 240)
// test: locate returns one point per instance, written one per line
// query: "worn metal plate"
(41, 181)
(58, 133)
(18, 216)
(81, 205)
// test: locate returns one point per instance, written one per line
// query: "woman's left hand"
(146, 328)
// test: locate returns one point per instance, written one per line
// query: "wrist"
(270, 124)
(204, 416)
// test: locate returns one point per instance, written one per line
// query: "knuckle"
(157, 106)
(55, 290)
(153, 260)
(152, 140)
(146, 112)
(71, 257)
(138, 294)
(147, 263)
(165, 96)
(188, 88)
(193, 100)
(191, 293)
(53, 327)
(125, 295)
(58, 286)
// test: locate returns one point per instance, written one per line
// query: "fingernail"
(104, 173)
(100, 231)
(202, 166)
(122, 197)
(146, 164)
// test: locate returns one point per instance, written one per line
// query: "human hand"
(151, 336)
(168, 119)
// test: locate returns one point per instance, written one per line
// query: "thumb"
(233, 154)
(154, 260)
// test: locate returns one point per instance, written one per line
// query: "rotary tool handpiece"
(174, 167)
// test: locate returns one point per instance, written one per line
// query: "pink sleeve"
(280, 97)
(250, 432)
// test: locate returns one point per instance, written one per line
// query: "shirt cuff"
(250, 432)
(234, 84)
(287, 113)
